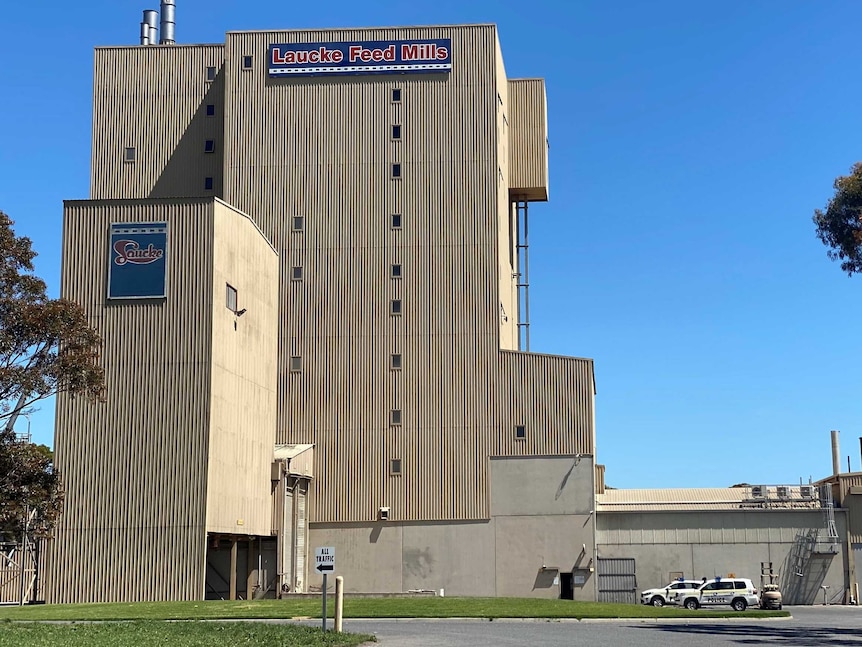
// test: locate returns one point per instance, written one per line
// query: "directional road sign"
(324, 559)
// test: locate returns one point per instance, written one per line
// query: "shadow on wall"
(804, 571)
(188, 166)
(545, 578)
(375, 534)
(566, 478)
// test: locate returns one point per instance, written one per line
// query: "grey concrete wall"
(543, 524)
(387, 557)
(541, 518)
(712, 544)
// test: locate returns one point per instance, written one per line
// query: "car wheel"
(691, 603)
(779, 607)
(738, 604)
(657, 601)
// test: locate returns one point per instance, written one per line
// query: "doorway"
(567, 586)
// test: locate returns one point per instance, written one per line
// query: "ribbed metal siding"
(853, 503)
(135, 467)
(528, 139)
(154, 99)
(553, 397)
(322, 149)
(507, 235)
(244, 377)
(600, 479)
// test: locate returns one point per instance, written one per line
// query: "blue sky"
(690, 143)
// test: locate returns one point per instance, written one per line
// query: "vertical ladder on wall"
(828, 512)
(523, 274)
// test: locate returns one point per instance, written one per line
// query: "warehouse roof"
(704, 499)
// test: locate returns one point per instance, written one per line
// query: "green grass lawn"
(422, 607)
(176, 634)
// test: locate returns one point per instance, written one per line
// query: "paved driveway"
(822, 626)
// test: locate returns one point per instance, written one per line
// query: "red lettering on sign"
(129, 251)
(299, 57)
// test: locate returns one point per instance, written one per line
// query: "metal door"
(617, 580)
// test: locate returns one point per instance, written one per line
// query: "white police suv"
(736, 592)
(662, 596)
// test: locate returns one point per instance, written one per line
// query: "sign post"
(324, 562)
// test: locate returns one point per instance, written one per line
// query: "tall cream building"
(305, 251)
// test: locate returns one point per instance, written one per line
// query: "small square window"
(210, 110)
(131, 154)
(211, 74)
(396, 95)
(395, 467)
(298, 223)
(396, 417)
(395, 307)
(520, 432)
(295, 364)
(396, 132)
(209, 146)
(296, 273)
(247, 62)
(230, 297)
(396, 170)
(396, 221)
(395, 361)
(396, 271)
(208, 184)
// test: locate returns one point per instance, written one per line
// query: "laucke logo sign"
(130, 251)
(138, 262)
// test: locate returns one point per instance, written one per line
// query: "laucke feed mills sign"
(367, 57)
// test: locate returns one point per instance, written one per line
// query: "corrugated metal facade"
(322, 149)
(244, 377)
(154, 99)
(183, 441)
(133, 525)
(528, 151)
(847, 492)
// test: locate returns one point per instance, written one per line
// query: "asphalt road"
(821, 626)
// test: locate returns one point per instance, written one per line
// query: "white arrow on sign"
(324, 559)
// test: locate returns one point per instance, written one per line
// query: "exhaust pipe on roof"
(168, 22)
(836, 454)
(149, 27)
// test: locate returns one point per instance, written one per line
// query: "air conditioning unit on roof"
(757, 492)
(806, 491)
(783, 492)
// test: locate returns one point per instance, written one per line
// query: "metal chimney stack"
(168, 22)
(149, 27)
(836, 454)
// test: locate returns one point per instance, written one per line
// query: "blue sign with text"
(367, 57)
(138, 260)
